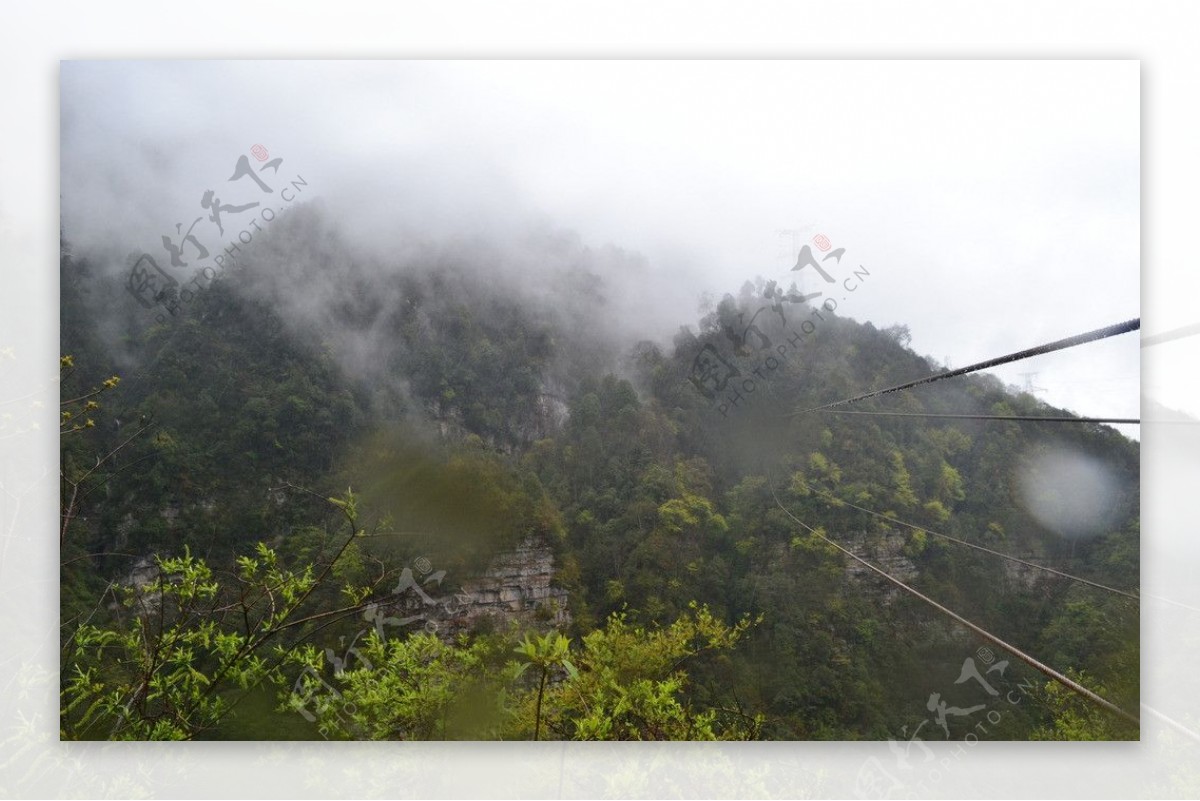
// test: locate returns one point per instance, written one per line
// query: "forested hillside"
(220, 581)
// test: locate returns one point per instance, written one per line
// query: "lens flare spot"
(1070, 493)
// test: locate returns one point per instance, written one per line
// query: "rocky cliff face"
(143, 578)
(516, 588)
(1025, 578)
(885, 552)
(544, 416)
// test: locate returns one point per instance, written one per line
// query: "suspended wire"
(1015, 417)
(1041, 667)
(1169, 601)
(939, 535)
(1069, 342)
(1172, 723)
(1167, 336)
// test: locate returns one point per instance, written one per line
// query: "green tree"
(632, 684)
(1076, 718)
(544, 654)
(622, 682)
(184, 645)
(411, 688)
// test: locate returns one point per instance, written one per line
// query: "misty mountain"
(481, 394)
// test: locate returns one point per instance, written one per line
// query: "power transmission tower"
(1029, 387)
(788, 249)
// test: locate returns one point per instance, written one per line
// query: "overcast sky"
(995, 204)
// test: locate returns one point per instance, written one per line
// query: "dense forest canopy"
(209, 538)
